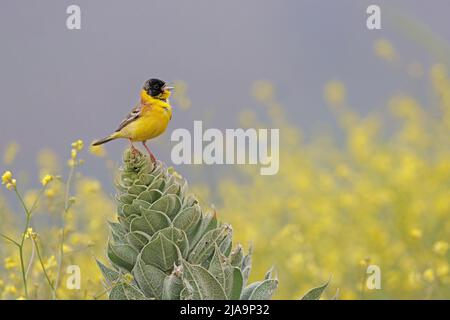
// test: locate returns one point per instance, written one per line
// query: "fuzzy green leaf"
(247, 265)
(117, 230)
(150, 222)
(136, 190)
(126, 198)
(264, 290)
(205, 247)
(315, 293)
(157, 184)
(109, 274)
(139, 205)
(173, 188)
(170, 204)
(149, 278)
(130, 210)
(216, 267)
(236, 256)
(145, 179)
(124, 291)
(234, 289)
(178, 237)
(204, 285)
(122, 255)
(248, 290)
(188, 220)
(268, 274)
(208, 222)
(150, 196)
(160, 252)
(137, 239)
(173, 285)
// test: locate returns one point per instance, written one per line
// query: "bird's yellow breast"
(153, 121)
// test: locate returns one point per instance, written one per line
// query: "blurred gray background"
(57, 85)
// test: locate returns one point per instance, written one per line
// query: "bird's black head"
(154, 87)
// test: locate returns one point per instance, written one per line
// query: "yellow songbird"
(147, 120)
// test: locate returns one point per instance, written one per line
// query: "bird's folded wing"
(134, 114)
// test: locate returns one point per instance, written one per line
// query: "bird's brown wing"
(134, 114)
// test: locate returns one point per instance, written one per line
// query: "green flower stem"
(9, 239)
(36, 245)
(63, 231)
(30, 263)
(107, 288)
(27, 224)
(28, 213)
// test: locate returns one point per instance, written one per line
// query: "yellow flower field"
(380, 197)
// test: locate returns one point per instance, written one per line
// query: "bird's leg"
(149, 152)
(134, 151)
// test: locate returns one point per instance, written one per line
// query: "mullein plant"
(164, 246)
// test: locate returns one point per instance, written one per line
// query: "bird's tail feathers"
(104, 140)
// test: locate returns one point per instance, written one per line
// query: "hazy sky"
(57, 85)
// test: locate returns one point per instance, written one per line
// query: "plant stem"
(30, 263)
(63, 218)
(363, 284)
(9, 239)
(22, 266)
(108, 288)
(27, 224)
(42, 264)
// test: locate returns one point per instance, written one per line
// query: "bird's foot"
(152, 157)
(134, 150)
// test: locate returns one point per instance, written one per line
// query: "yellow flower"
(364, 262)
(30, 234)
(438, 72)
(71, 163)
(50, 263)
(10, 153)
(50, 193)
(415, 233)
(385, 50)
(72, 200)
(10, 290)
(440, 247)
(98, 151)
(6, 177)
(334, 93)
(428, 275)
(73, 153)
(8, 180)
(90, 186)
(11, 185)
(128, 277)
(47, 178)
(78, 145)
(263, 91)
(67, 248)
(10, 263)
(342, 171)
(442, 270)
(47, 161)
